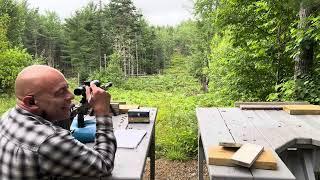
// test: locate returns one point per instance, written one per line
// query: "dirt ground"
(180, 170)
(175, 170)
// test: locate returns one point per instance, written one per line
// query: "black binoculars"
(81, 90)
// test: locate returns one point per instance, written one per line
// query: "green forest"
(231, 50)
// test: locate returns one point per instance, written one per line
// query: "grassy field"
(176, 94)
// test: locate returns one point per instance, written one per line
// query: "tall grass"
(176, 94)
(176, 127)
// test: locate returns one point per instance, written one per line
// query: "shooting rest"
(84, 134)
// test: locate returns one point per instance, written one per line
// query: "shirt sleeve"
(62, 155)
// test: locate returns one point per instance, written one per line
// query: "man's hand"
(98, 99)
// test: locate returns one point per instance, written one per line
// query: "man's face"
(55, 99)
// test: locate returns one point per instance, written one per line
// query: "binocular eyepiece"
(81, 90)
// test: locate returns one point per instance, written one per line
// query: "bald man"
(32, 147)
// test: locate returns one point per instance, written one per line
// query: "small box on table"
(139, 115)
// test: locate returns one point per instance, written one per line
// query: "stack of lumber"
(237, 104)
(266, 105)
(124, 108)
(247, 155)
(302, 109)
(261, 107)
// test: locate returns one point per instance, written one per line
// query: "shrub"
(12, 61)
(6, 101)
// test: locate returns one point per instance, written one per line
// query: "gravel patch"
(175, 170)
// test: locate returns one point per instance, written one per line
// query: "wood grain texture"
(247, 154)
(261, 107)
(124, 108)
(234, 125)
(230, 144)
(302, 109)
(237, 104)
(221, 156)
(213, 130)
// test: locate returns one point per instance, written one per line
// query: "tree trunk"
(137, 57)
(304, 59)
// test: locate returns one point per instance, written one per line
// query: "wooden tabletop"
(130, 163)
(270, 128)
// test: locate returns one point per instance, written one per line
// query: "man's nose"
(70, 95)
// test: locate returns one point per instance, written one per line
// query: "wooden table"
(130, 163)
(295, 139)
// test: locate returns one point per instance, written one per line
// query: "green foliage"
(176, 79)
(176, 94)
(252, 51)
(4, 43)
(284, 92)
(116, 28)
(6, 101)
(12, 61)
(82, 46)
(308, 88)
(113, 72)
(176, 127)
(303, 89)
(184, 37)
(15, 23)
(234, 73)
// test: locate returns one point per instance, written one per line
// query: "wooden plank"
(221, 156)
(241, 128)
(282, 172)
(237, 104)
(119, 102)
(261, 107)
(247, 154)
(275, 132)
(213, 130)
(305, 133)
(230, 144)
(124, 108)
(302, 109)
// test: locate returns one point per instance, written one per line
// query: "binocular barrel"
(81, 90)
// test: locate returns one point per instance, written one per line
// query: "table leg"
(152, 155)
(307, 164)
(300, 163)
(200, 158)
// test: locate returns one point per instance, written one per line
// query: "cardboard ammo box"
(139, 115)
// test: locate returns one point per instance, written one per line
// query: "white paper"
(129, 138)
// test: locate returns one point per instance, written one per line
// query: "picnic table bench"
(295, 140)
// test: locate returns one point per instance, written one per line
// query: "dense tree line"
(88, 41)
(259, 49)
(238, 50)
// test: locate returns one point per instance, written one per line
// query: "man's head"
(43, 90)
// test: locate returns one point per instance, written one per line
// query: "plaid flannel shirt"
(33, 148)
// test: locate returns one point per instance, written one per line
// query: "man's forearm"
(62, 155)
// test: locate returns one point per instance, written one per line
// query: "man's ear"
(29, 101)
